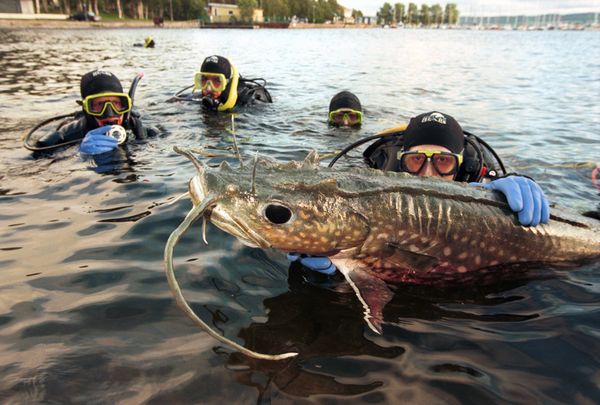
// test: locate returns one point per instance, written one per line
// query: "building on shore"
(347, 17)
(229, 13)
(17, 6)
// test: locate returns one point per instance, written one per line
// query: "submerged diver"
(345, 110)
(148, 42)
(219, 87)
(104, 106)
(434, 144)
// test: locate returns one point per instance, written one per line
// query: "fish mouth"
(222, 219)
(234, 226)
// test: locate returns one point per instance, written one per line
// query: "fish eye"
(277, 214)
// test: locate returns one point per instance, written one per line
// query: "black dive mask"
(210, 103)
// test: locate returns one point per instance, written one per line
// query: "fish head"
(289, 207)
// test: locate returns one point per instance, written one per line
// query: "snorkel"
(131, 93)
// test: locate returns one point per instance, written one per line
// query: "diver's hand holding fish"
(320, 264)
(524, 197)
(378, 227)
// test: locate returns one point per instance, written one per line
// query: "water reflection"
(322, 320)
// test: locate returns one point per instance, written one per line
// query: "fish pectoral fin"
(403, 258)
(372, 292)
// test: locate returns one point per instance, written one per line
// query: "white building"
(17, 6)
(226, 13)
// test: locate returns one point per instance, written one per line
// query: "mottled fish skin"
(404, 228)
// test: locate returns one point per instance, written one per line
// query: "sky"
(489, 7)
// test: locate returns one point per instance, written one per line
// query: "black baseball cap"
(434, 128)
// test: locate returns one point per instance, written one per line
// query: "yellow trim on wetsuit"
(233, 94)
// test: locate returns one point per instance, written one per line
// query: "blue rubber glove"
(320, 264)
(524, 197)
(96, 141)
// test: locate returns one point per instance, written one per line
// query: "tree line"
(136, 9)
(413, 15)
(317, 11)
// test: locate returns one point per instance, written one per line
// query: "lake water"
(86, 315)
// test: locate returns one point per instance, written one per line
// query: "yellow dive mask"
(345, 116)
(444, 163)
(96, 104)
(216, 81)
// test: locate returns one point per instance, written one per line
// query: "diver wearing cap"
(345, 110)
(478, 160)
(148, 42)
(219, 87)
(104, 106)
(435, 145)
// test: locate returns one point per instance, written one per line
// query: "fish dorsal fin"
(327, 186)
(311, 160)
(224, 166)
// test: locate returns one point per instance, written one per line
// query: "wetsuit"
(82, 124)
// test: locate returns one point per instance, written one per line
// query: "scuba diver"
(148, 42)
(106, 110)
(345, 110)
(434, 144)
(219, 87)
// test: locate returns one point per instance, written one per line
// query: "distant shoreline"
(21, 23)
(68, 24)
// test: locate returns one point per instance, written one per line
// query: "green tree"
(247, 9)
(425, 15)
(437, 14)
(301, 8)
(385, 15)
(325, 10)
(183, 9)
(275, 9)
(399, 11)
(335, 9)
(451, 14)
(356, 13)
(412, 14)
